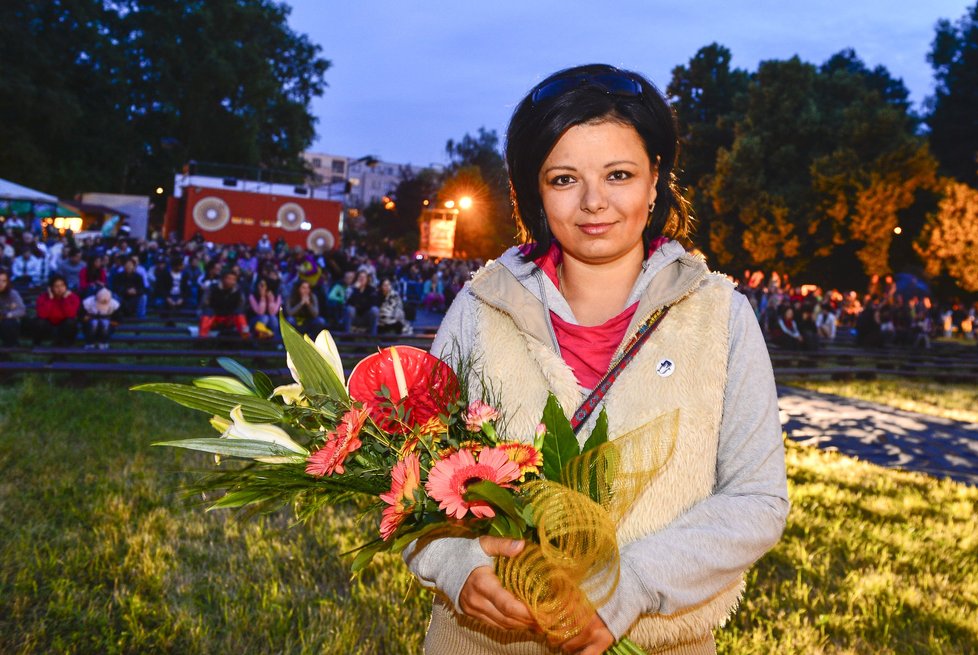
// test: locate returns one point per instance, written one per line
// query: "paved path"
(881, 434)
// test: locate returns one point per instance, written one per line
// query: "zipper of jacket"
(538, 274)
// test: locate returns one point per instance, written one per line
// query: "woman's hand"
(483, 596)
(594, 639)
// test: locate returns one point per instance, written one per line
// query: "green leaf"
(238, 499)
(214, 401)
(245, 448)
(599, 434)
(263, 384)
(256, 410)
(560, 443)
(315, 374)
(403, 540)
(366, 554)
(238, 371)
(492, 493)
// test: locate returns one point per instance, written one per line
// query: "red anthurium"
(422, 383)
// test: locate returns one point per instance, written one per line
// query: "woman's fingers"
(483, 596)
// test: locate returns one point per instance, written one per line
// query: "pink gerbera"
(449, 479)
(405, 480)
(329, 459)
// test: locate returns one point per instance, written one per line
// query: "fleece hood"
(519, 287)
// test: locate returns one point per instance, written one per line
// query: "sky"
(405, 77)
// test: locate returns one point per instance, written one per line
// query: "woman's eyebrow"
(559, 167)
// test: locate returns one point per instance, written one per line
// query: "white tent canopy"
(11, 191)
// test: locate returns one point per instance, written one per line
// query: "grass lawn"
(98, 555)
(958, 402)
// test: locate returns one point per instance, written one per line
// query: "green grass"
(953, 401)
(99, 555)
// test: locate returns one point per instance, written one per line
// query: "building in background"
(356, 181)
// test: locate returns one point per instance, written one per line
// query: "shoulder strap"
(628, 354)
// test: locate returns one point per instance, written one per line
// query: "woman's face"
(597, 185)
(304, 289)
(385, 287)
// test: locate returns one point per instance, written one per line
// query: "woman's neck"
(598, 292)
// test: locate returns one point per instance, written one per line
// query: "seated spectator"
(826, 323)
(130, 287)
(868, 332)
(93, 277)
(363, 305)
(57, 314)
(786, 333)
(434, 296)
(265, 305)
(172, 288)
(302, 310)
(807, 329)
(97, 325)
(71, 267)
(28, 268)
(390, 316)
(223, 306)
(337, 297)
(12, 310)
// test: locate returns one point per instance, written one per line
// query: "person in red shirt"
(57, 314)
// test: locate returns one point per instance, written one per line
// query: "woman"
(390, 318)
(303, 310)
(264, 309)
(12, 310)
(97, 327)
(93, 276)
(590, 153)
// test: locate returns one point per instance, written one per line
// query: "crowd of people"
(806, 316)
(85, 287)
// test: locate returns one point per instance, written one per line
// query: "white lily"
(291, 394)
(326, 347)
(242, 429)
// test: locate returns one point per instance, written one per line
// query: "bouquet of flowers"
(403, 433)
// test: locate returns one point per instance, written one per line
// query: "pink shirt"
(588, 349)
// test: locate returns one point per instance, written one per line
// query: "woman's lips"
(594, 229)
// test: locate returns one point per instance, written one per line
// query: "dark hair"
(56, 277)
(537, 126)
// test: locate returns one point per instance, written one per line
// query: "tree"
(953, 118)
(62, 121)
(477, 170)
(949, 241)
(116, 96)
(704, 95)
(409, 198)
(224, 81)
(825, 163)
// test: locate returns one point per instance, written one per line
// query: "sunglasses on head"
(615, 84)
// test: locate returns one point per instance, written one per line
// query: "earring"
(648, 223)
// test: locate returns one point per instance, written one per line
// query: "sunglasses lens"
(613, 83)
(617, 84)
(555, 88)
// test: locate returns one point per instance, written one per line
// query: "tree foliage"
(823, 162)
(705, 95)
(953, 119)
(949, 241)
(477, 170)
(116, 96)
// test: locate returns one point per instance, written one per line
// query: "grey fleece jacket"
(656, 571)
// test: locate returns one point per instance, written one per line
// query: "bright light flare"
(898, 230)
(449, 204)
(465, 202)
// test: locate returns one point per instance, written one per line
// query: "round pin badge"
(665, 368)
